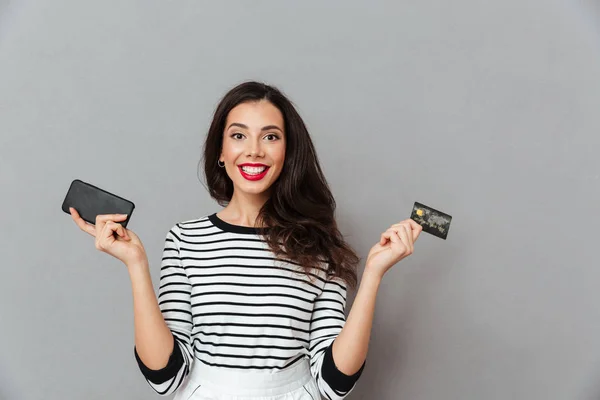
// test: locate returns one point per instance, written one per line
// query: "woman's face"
(253, 146)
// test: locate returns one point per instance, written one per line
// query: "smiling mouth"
(253, 173)
(254, 170)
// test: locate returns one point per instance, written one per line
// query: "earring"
(219, 164)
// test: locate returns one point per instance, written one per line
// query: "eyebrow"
(264, 128)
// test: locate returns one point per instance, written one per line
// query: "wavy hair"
(299, 214)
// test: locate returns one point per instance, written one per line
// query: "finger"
(416, 228)
(110, 217)
(81, 223)
(409, 236)
(403, 234)
(102, 219)
(117, 228)
(391, 232)
(396, 230)
(110, 229)
(408, 229)
(404, 226)
(397, 242)
(384, 238)
(387, 236)
(123, 233)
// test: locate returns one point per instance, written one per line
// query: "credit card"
(433, 221)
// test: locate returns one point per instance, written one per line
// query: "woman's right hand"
(125, 245)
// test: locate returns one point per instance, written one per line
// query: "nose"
(254, 148)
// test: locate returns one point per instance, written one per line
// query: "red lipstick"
(253, 177)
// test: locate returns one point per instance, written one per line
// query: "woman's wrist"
(372, 274)
(138, 268)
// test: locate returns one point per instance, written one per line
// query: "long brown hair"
(299, 214)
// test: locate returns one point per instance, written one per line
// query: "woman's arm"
(163, 325)
(153, 339)
(162, 331)
(351, 346)
(349, 349)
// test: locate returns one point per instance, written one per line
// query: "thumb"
(123, 232)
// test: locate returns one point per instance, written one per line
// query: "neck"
(243, 209)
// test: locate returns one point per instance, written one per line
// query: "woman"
(251, 299)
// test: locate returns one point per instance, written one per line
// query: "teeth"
(253, 170)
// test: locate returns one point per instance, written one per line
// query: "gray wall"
(488, 111)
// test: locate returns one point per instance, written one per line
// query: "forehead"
(255, 114)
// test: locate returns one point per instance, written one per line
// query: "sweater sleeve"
(175, 306)
(327, 321)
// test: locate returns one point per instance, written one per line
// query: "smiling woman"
(256, 124)
(254, 295)
(251, 299)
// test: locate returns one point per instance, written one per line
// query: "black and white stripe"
(230, 303)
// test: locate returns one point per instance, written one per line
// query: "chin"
(255, 190)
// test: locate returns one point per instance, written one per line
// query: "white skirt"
(216, 383)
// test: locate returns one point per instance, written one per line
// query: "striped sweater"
(231, 304)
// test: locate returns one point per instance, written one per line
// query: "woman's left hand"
(395, 244)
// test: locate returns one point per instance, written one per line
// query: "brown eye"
(273, 135)
(237, 133)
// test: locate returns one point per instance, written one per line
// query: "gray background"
(488, 111)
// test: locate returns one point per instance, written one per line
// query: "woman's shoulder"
(197, 222)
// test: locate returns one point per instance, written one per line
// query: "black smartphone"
(91, 201)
